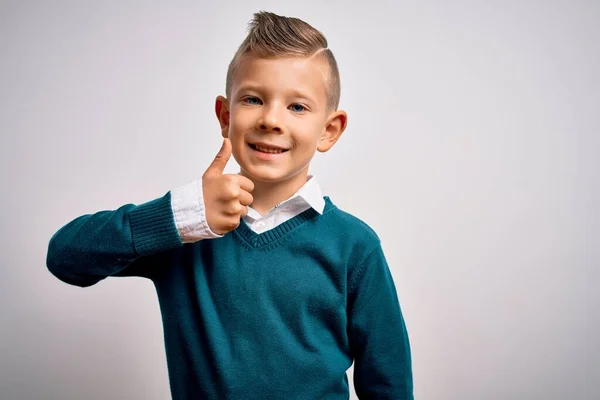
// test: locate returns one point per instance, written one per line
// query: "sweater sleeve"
(378, 336)
(122, 242)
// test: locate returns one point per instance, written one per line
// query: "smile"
(268, 150)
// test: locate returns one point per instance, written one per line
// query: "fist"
(226, 196)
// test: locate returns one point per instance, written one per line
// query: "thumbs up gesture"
(225, 195)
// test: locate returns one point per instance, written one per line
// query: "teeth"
(268, 150)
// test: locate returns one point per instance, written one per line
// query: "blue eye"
(298, 108)
(252, 100)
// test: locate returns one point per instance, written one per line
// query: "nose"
(269, 120)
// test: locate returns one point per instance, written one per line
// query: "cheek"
(311, 134)
(241, 118)
(236, 130)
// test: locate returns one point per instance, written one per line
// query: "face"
(277, 117)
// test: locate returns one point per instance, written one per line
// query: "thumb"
(220, 161)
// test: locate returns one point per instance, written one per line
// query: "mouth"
(269, 149)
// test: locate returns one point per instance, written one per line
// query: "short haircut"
(271, 35)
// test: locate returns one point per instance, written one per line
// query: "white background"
(472, 149)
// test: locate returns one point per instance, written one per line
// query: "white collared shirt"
(189, 212)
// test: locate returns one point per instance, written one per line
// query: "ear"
(334, 127)
(222, 111)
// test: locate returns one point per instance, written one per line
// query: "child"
(267, 290)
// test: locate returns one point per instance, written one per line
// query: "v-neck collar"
(260, 240)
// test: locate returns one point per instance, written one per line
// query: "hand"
(226, 196)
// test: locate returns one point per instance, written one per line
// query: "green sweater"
(277, 315)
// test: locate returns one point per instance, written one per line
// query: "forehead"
(305, 74)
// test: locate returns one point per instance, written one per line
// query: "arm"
(121, 242)
(378, 336)
(124, 242)
(128, 241)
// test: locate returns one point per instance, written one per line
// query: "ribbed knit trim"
(153, 227)
(264, 239)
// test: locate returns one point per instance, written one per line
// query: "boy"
(267, 290)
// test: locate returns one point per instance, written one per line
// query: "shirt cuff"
(187, 204)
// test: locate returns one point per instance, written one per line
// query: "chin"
(268, 176)
(265, 177)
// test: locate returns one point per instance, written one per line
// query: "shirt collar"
(309, 194)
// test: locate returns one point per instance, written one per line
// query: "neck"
(267, 195)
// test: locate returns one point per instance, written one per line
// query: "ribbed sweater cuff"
(153, 226)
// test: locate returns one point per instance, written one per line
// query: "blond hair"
(271, 35)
